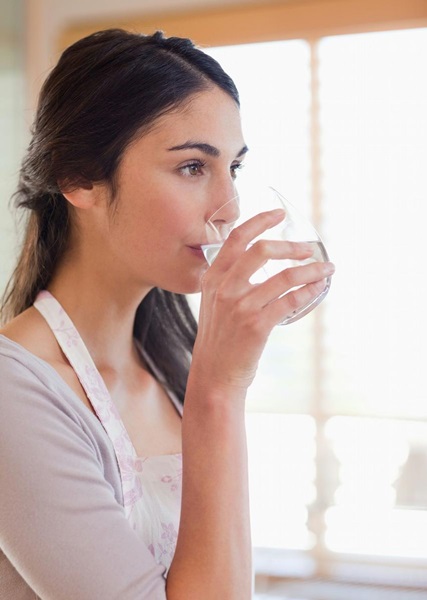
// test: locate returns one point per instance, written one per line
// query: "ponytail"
(44, 243)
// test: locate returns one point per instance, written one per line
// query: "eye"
(235, 168)
(192, 169)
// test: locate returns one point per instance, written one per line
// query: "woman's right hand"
(236, 317)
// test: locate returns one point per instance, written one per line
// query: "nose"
(229, 212)
(224, 202)
(221, 222)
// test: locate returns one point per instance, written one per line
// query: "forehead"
(211, 116)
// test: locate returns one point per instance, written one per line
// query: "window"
(336, 417)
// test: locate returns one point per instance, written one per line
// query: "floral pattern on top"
(151, 485)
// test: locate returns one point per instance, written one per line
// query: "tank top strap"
(80, 360)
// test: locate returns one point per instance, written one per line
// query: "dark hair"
(106, 89)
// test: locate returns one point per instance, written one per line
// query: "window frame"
(264, 21)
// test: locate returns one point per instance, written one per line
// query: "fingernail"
(278, 211)
(329, 268)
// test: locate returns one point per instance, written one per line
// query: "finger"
(288, 279)
(241, 236)
(262, 251)
(293, 302)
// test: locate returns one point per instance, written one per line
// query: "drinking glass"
(295, 228)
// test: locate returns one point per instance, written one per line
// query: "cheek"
(170, 230)
(170, 214)
(150, 232)
(163, 215)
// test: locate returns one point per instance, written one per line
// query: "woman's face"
(170, 181)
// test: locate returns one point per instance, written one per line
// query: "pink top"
(63, 529)
(151, 484)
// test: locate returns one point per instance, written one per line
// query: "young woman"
(110, 489)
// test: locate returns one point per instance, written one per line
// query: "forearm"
(213, 553)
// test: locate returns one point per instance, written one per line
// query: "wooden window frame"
(268, 21)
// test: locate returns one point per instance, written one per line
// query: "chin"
(190, 286)
(188, 289)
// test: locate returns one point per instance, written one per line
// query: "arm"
(213, 554)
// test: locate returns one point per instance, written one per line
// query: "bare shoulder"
(30, 330)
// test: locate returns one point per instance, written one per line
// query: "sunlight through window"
(337, 456)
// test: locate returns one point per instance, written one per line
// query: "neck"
(103, 310)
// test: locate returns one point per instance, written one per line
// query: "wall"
(12, 123)
(47, 19)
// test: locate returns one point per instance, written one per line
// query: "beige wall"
(48, 19)
(12, 123)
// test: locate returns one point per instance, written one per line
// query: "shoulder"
(27, 351)
(34, 400)
(30, 331)
(22, 370)
(42, 419)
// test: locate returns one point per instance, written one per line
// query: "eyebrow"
(205, 148)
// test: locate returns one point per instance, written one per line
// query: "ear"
(84, 196)
(80, 198)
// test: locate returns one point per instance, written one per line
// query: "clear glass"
(295, 228)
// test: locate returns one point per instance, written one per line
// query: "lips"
(197, 246)
(196, 249)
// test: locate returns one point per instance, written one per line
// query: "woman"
(137, 141)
